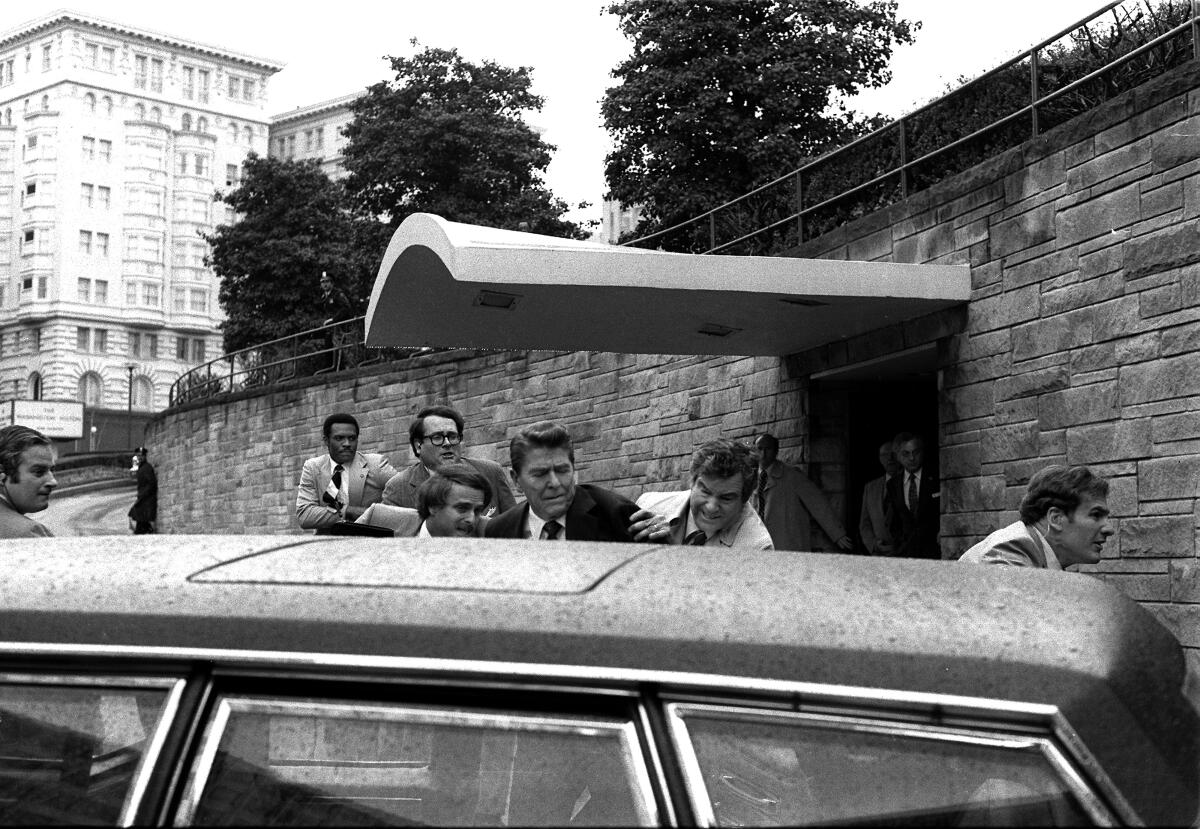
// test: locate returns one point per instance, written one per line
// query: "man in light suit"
(788, 503)
(337, 486)
(1064, 521)
(915, 502)
(874, 517)
(716, 511)
(27, 461)
(557, 506)
(435, 436)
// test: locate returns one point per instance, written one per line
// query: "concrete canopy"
(449, 285)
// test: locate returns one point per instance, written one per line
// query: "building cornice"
(315, 109)
(63, 18)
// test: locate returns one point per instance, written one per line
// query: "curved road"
(98, 512)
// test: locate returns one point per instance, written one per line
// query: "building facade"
(314, 131)
(113, 141)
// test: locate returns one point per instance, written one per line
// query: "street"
(98, 512)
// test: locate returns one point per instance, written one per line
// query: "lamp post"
(129, 412)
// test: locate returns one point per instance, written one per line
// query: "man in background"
(27, 461)
(336, 487)
(875, 515)
(788, 503)
(143, 515)
(914, 501)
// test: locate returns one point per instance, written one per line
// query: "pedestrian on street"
(143, 515)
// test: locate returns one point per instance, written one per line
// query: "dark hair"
(545, 434)
(767, 439)
(416, 429)
(339, 417)
(903, 438)
(14, 440)
(1062, 487)
(724, 458)
(434, 490)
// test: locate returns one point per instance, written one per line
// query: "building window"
(28, 242)
(150, 295)
(6, 72)
(43, 285)
(92, 340)
(143, 393)
(45, 103)
(140, 63)
(87, 194)
(198, 301)
(235, 87)
(233, 131)
(231, 175)
(108, 105)
(178, 301)
(143, 345)
(139, 112)
(84, 290)
(202, 94)
(30, 192)
(320, 138)
(189, 83)
(201, 165)
(89, 103)
(35, 386)
(183, 168)
(156, 74)
(291, 147)
(100, 291)
(202, 125)
(145, 201)
(186, 122)
(248, 90)
(249, 135)
(308, 141)
(102, 245)
(89, 148)
(105, 151)
(85, 242)
(197, 351)
(156, 115)
(46, 58)
(103, 197)
(91, 389)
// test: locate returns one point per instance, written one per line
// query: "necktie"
(696, 538)
(551, 530)
(333, 492)
(760, 498)
(912, 493)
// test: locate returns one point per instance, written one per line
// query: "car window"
(73, 755)
(772, 769)
(306, 762)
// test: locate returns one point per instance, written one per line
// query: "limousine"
(300, 681)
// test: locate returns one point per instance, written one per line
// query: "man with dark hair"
(716, 511)
(340, 484)
(27, 461)
(788, 503)
(914, 501)
(143, 515)
(435, 436)
(557, 506)
(452, 501)
(1064, 521)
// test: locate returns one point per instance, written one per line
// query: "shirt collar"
(1052, 562)
(423, 531)
(535, 524)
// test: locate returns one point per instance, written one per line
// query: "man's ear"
(1055, 518)
(512, 473)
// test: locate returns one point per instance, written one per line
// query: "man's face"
(434, 456)
(326, 283)
(887, 459)
(1081, 535)
(715, 502)
(912, 453)
(459, 515)
(767, 453)
(548, 480)
(29, 490)
(342, 442)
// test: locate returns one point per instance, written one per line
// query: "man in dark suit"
(557, 506)
(915, 501)
(143, 515)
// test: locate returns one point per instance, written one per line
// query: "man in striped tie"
(338, 486)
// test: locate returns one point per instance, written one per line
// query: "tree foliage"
(294, 223)
(719, 96)
(446, 136)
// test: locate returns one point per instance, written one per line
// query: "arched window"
(91, 389)
(89, 103)
(249, 135)
(35, 386)
(139, 112)
(143, 393)
(45, 103)
(156, 115)
(186, 124)
(233, 131)
(8, 116)
(107, 102)
(202, 124)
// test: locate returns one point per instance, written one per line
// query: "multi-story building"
(314, 131)
(113, 141)
(616, 220)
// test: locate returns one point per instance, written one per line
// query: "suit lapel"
(357, 469)
(420, 473)
(581, 523)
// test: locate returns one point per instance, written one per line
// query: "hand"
(845, 543)
(645, 525)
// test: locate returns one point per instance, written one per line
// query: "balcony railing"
(328, 349)
(1032, 93)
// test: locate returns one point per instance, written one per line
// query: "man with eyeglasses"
(435, 436)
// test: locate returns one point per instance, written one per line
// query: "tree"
(720, 96)
(447, 137)
(294, 222)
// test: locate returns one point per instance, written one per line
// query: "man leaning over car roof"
(340, 484)
(1064, 521)
(27, 460)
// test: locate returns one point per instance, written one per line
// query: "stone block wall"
(233, 467)
(1081, 342)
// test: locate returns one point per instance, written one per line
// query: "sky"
(331, 49)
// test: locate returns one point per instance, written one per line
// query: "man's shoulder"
(485, 466)
(1011, 544)
(508, 523)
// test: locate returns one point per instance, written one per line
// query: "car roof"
(1000, 633)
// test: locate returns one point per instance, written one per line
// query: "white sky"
(334, 48)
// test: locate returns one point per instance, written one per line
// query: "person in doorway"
(143, 515)
(1064, 522)
(915, 501)
(873, 522)
(788, 503)
(27, 459)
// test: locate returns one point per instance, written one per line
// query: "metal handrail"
(332, 348)
(905, 165)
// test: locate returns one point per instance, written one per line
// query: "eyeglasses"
(448, 438)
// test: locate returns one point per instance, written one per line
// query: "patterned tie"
(760, 495)
(696, 538)
(333, 492)
(912, 494)
(551, 530)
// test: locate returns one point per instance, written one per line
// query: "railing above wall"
(330, 348)
(1035, 91)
